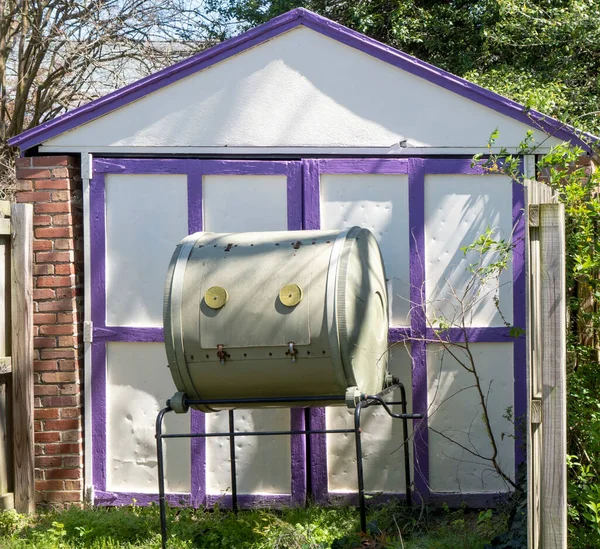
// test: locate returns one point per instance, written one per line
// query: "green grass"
(390, 526)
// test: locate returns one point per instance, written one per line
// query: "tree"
(58, 54)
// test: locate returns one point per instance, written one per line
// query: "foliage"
(391, 526)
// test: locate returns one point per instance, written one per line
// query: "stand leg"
(406, 452)
(161, 476)
(234, 500)
(359, 469)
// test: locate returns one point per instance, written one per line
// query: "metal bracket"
(88, 331)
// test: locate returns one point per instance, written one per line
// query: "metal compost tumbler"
(278, 319)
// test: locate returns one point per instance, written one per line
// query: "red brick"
(61, 424)
(46, 413)
(73, 484)
(57, 353)
(46, 437)
(44, 365)
(62, 496)
(46, 293)
(44, 390)
(49, 485)
(65, 317)
(42, 245)
(43, 269)
(64, 244)
(40, 220)
(69, 413)
(72, 389)
(62, 293)
(33, 173)
(54, 232)
(63, 219)
(73, 461)
(23, 162)
(67, 341)
(54, 281)
(52, 184)
(68, 365)
(57, 329)
(51, 161)
(59, 377)
(63, 448)
(48, 461)
(52, 208)
(71, 436)
(54, 257)
(60, 401)
(33, 197)
(60, 196)
(44, 318)
(44, 342)
(63, 474)
(24, 186)
(65, 269)
(60, 172)
(58, 305)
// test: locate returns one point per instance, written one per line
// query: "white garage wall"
(378, 203)
(136, 377)
(458, 209)
(146, 217)
(455, 412)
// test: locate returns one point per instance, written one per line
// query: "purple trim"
(250, 501)
(198, 458)
(398, 334)
(246, 167)
(128, 333)
(194, 195)
(311, 194)
(519, 319)
(418, 322)
(298, 451)
(474, 335)
(101, 497)
(384, 166)
(98, 249)
(294, 196)
(442, 166)
(275, 27)
(99, 416)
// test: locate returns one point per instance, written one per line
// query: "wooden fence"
(547, 425)
(17, 488)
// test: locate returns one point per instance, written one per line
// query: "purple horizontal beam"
(245, 167)
(395, 335)
(385, 166)
(136, 166)
(129, 498)
(128, 333)
(443, 166)
(472, 335)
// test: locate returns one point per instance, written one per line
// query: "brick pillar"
(53, 185)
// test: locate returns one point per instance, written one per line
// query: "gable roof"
(276, 27)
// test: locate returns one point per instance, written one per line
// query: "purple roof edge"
(272, 28)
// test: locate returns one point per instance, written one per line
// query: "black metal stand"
(365, 402)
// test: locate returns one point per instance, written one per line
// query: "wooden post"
(553, 318)
(22, 355)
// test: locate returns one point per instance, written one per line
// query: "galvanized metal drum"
(276, 314)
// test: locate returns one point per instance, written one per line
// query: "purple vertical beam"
(519, 319)
(297, 442)
(197, 418)
(318, 443)
(418, 323)
(99, 416)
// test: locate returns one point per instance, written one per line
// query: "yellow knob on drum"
(290, 295)
(216, 297)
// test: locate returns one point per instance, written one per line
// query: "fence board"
(552, 324)
(22, 354)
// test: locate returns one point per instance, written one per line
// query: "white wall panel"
(378, 203)
(237, 204)
(455, 412)
(137, 378)
(276, 95)
(382, 438)
(458, 209)
(146, 217)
